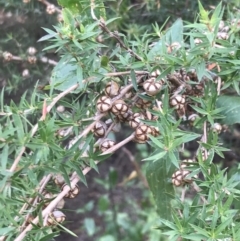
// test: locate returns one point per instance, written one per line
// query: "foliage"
(171, 86)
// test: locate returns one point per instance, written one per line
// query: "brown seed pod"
(29, 220)
(112, 89)
(152, 87)
(141, 133)
(226, 29)
(7, 56)
(58, 216)
(59, 180)
(32, 59)
(51, 9)
(47, 196)
(119, 107)
(178, 102)
(217, 128)
(128, 95)
(180, 177)
(31, 51)
(25, 73)
(177, 178)
(143, 104)
(135, 121)
(106, 144)
(222, 35)
(197, 41)
(99, 129)
(55, 217)
(192, 118)
(173, 46)
(60, 204)
(155, 131)
(72, 192)
(155, 73)
(185, 178)
(125, 117)
(221, 25)
(60, 109)
(104, 104)
(150, 116)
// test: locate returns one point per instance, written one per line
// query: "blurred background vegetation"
(117, 205)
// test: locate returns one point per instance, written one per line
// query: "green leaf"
(18, 123)
(107, 238)
(133, 79)
(203, 13)
(4, 231)
(4, 157)
(223, 225)
(200, 230)
(175, 33)
(161, 187)
(77, 168)
(104, 61)
(231, 105)
(90, 226)
(74, 5)
(49, 237)
(64, 75)
(158, 156)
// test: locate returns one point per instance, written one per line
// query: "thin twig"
(114, 34)
(126, 73)
(136, 166)
(197, 189)
(118, 145)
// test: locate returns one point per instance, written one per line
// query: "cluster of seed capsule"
(57, 216)
(127, 110)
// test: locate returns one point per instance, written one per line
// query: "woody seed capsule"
(217, 128)
(99, 129)
(141, 133)
(51, 9)
(104, 104)
(106, 144)
(32, 59)
(178, 102)
(59, 180)
(7, 56)
(142, 103)
(58, 216)
(112, 89)
(125, 117)
(55, 217)
(152, 87)
(72, 193)
(31, 51)
(135, 121)
(119, 107)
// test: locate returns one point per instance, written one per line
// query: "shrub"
(171, 87)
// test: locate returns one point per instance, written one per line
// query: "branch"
(114, 34)
(137, 167)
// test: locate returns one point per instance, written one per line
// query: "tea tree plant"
(170, 90)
